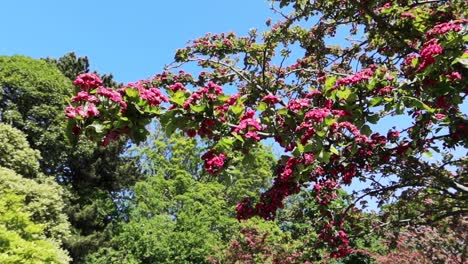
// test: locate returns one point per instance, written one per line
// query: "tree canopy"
(33, 226)
(324, 100)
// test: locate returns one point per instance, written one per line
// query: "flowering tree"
(324, 99)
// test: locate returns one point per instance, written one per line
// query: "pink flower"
(297, 104)
(385, 90)
(153, 96)
(177, 87)
(393, 135)
(318, 114)
(407, 15)
(443, 28)
(232, 99)
(70, 112)
(252, 134)
(113, 95)
(308, 158)
(92, 110)
(81, 112)
(271, 99)
(439, 116)
(109, 137)
(360, 76)
(213, 163)
(454, 76)
(430, 49)
(87, 81)
(248, 123)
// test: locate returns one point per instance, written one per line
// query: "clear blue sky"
(131, 39)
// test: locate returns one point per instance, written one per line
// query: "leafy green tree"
(33, 225)
(15, 153)
(178, 213)
(259, 241)
(28, 231)
(33, 94)
(71, 65)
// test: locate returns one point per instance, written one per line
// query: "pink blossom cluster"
(111, 136)
(271, 99)
(177, 87)
(393, 135)
(385, 90)
(325, 191)
(385, 6)
(297, 104)
(154, 96)
(358, 137)
(249, 125)
(84, 96)
(283, 186)
(244, 209)
(308, 129)
(318, 114)
(443, 28)
(430, 49)
(211, 91)
(87, 81)
(363, 75)
(89, 110)
(213, 163)
(113, 95)
(335, 239)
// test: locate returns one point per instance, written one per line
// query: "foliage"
(33, 94)
(178, 213)
(426, 244)
(320, 102)
(15, 153)
(259, 242)
(43, 198)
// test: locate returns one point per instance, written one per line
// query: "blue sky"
(131, 39)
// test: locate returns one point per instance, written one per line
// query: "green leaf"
(300, 147)
(237, 109)
(224, 144)
(329, 121)
(330, 83)
(132, 92)
(463, 60)
(373, 119)
(262, 106)
(366, 130)
(427, 154)
(178, 98)
(98, 128)
(321, 133)
(343, 94)
(238, 137)
(375, 101)
(324, 156)
(414, 102)
(334, 150)
(198, 108)
(170, 127)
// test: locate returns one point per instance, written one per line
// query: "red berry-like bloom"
(87, 81)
